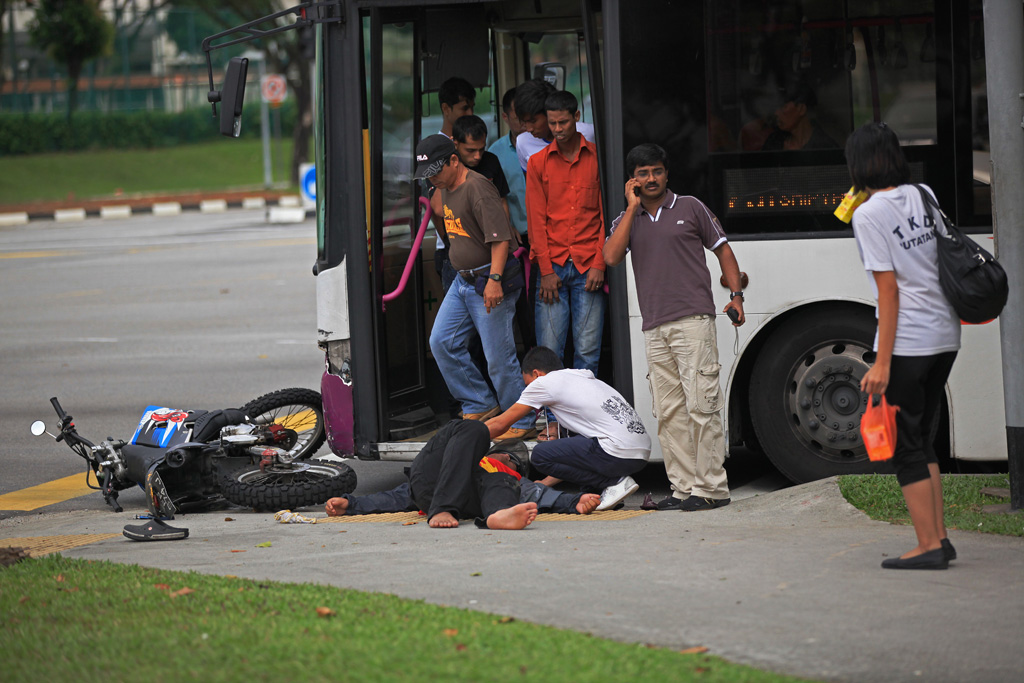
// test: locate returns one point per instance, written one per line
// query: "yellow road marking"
(34, 254)
(51, 492)
(37, 546)
(286, 242)
(405, 517)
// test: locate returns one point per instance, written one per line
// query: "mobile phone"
(636, 190)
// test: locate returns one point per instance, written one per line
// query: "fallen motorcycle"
(255, 456)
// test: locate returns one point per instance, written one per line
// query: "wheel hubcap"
(825, 400)
(300, 419)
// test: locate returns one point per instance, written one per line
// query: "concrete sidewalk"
(786, 581)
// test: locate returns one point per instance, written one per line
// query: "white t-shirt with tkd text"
(587, 406)
(895, 233)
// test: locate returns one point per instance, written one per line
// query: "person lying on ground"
(399, 499)
(454, 477)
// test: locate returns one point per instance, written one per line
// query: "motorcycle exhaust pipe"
(178, 458)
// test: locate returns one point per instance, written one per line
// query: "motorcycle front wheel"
(282, 487)
(300, 410)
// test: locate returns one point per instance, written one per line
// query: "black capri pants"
(917, 385)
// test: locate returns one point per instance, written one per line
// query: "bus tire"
(805, 398)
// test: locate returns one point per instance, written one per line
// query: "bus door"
(408, 53)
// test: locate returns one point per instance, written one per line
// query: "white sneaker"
(617, 492)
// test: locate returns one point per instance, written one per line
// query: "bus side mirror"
(552, 72)
(230, 97)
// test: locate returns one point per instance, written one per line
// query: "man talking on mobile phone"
(668, 234)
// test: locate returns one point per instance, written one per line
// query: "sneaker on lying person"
(617, 492)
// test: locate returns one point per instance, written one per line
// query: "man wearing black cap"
(483, 296)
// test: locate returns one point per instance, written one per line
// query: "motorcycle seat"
(208, 425)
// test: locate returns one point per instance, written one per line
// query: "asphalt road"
(196, 311)
(111, 316)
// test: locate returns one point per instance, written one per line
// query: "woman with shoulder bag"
(918, 331)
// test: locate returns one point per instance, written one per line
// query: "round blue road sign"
(307, 184)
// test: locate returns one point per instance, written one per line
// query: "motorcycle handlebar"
(56, 406)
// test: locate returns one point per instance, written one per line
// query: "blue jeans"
(586, 311)
(462, 315)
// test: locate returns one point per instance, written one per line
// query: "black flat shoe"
(933, 559)
(948, 550)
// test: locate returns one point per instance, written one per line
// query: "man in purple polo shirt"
(667, 234)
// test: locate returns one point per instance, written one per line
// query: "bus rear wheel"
(805, 398)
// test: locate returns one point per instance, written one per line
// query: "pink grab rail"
(404, 280)
(427, 214)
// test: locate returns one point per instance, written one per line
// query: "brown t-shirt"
(669, 266)
(473, 219)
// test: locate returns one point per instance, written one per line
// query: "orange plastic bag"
(878, 429)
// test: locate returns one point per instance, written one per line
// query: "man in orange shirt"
(566, 229)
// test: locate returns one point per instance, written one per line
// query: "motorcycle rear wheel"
(281, 487)
(300, 410)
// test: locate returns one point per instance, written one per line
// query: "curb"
(287, 209)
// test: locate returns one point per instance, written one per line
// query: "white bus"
(707, 80)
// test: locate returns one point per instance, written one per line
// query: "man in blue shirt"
(505, 149)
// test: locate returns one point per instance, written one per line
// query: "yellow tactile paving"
(404, 517)
(38, 546)
(51, 492)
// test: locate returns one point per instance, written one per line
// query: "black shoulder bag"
(972, 280)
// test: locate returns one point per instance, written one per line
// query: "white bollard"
(116, 211)
(167, 209)
(68, 215)
(20, 218)
(286, 214)
(213, 206)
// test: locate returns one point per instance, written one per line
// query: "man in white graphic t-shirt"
(610, 441)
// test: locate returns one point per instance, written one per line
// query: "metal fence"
(156, 63)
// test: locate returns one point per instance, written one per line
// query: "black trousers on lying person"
(446, 476)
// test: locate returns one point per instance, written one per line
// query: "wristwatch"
(733, 295)
(495, 276)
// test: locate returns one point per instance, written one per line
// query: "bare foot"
(588, 501)
(443, 520)
(516, 517)
(336, 507)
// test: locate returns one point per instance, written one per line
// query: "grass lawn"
(879, 496)
(65, 619)
(227, 164)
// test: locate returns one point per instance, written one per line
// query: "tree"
(72, 32)
(284, 55)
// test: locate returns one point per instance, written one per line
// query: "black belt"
(471, 275)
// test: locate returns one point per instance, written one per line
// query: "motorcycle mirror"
(38, 428)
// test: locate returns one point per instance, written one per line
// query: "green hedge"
(90, 130)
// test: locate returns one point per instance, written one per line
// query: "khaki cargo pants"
(683, 369)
